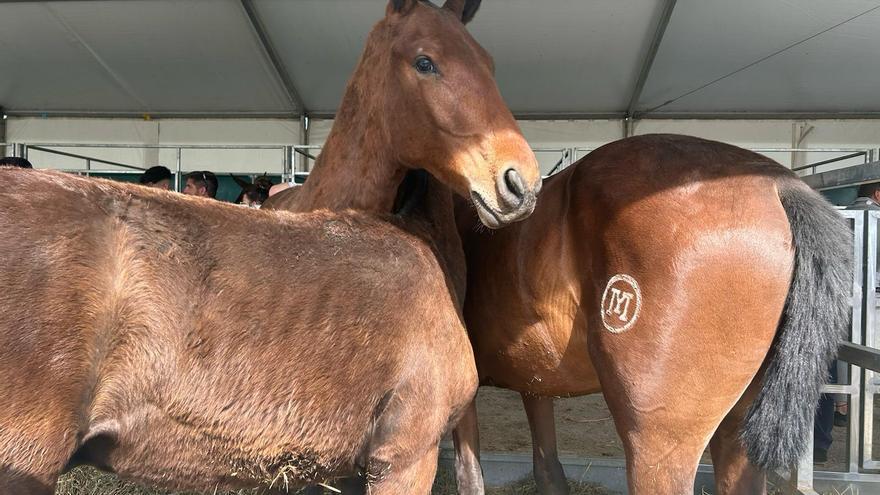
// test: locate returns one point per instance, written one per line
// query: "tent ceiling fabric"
(838, 70)
(138, 56)
(555, 57)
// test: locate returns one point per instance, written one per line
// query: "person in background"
(277, 188)
(869, 198)
(14, 161)
(201, 183)
(158, 177)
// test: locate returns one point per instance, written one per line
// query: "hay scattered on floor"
(444, 484)
(90, 481)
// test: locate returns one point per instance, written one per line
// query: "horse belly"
(547, 358)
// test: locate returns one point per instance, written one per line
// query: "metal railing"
(863, 358)
(296, 160)
(569, 155)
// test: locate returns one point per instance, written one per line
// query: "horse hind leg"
(549, 475)
(734, 474)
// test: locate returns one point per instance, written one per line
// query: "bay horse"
(151, 356)
(130, 340)
(702, 288)
(362, 164)
(253, 194)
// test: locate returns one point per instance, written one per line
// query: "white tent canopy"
(554, 58)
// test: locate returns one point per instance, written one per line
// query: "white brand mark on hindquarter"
(622, 299)
(621, 295)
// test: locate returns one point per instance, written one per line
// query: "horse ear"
(241, 182)
(464, 9)
(399, 6)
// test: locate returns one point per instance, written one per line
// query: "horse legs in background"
(549, 475)
(466, 436)
(734, 474)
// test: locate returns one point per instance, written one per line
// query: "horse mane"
(411, 193)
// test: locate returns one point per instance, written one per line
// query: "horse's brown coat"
(132, 336)
(700, 226)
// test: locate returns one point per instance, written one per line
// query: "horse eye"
(425, 65)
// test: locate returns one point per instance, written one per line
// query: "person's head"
(14, 161)
(871, 190)
(201, 183)
(158, 177)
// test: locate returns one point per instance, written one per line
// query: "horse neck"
(356, 168)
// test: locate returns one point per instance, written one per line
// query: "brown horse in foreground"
(151, 356)
(130, 340)
(701, 287)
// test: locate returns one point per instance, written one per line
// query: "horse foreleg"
(34, 450)
(466, 436)
(416, 478)
(549, 475)
(11, 482)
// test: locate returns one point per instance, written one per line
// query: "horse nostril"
(515, 183)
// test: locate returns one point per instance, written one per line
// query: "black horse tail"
(813, 323)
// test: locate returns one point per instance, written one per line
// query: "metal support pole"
(628, 126)
(645, 70)
(305, 126)
(273, 57)
(22, 151)
(803, 475)
(285, 165)
(177, 173)
(288, 151)
(88, 168)
(3, 119)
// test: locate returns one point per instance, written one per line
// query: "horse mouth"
(493, 217)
